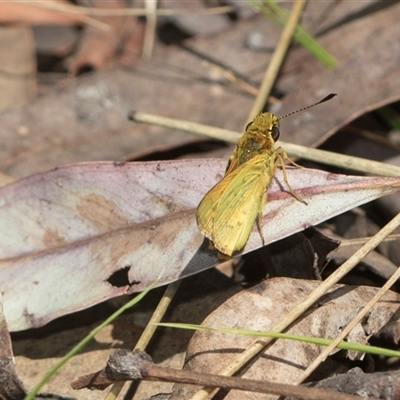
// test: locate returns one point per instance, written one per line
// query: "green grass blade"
(307, 339)
(31, 395)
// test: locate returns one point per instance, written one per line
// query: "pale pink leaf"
(65, 232)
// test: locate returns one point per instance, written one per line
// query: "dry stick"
(229, 382)
(138, 365)
(148, 332)
(295, 150)
(296, 312)
(361, 240)
(341, 160)
(150, 30)
(277, 59)
(391, 281)
(187, 126)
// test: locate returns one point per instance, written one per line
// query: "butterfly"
(227, 212)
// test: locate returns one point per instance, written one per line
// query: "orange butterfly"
(227, 212)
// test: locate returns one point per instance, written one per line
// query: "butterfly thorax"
(259, 138)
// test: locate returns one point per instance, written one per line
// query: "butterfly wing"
(240, 202)
(206, 211)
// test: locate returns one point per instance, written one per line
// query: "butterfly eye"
(248, 126)
(275, 132)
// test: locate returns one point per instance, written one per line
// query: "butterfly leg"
(259, 224)
(281, 156)
(284, 156)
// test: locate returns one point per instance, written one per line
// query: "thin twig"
(361, 240)
(127, 11)
(341, 160)
(295, 150)
(125, 365)
(150, 30)
(187, 126)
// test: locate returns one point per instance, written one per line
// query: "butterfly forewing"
(227, 213)
(205, 213)
(240, 204)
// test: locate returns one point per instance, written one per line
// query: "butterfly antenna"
(326, 98)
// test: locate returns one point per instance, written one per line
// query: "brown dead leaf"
(87, 119)
(365, 43)
(284, 360)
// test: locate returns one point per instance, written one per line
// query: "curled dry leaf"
(284, 360)
(67, 234)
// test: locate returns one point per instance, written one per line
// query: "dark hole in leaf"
(120, 278)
